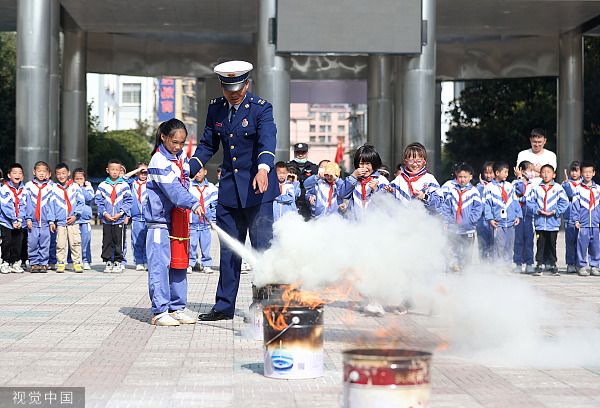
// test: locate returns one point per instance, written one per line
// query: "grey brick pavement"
(93, 330)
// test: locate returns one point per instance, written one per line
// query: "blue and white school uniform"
(359, 193)
(286, 200)
(68, 202)
(327, 201)
(548, 198)
(501, 205)
(485, 232)
(406, 185)
(207, 195)
(52, 255)
(84, 222)
(139, 229)
(167, 187)
(570, 230)
(585, 210)
(524, 232)
(40, 211)
(461, 210)
(13, 209)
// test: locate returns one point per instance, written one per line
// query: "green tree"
(8, 79)
(128, 146)
(591, 132)
(492, 119)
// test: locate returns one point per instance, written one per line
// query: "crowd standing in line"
(45, 223)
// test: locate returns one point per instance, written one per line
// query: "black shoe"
(213, 315)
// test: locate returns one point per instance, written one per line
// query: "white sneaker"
(118, 268)
(140, 267)
(86, 266)
(529, 269)
(181, 317)
(52, 267)
(164, 319)
(109, 267)
(208, 269)
(16, 267)
(5, 268)
(189, 270)
(374, 310)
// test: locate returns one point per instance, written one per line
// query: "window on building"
(342, 116)
(311, 115)
(341, 129)
(312, 139)
(324, 128)
(132, 94)
(312, 128)
(325, 116)
(321, 139)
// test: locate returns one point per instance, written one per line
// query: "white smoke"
(398, 253)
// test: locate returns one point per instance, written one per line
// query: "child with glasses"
(414, 181)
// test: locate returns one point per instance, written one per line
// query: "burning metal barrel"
(262, 296)
(386, 378)
(293, 337)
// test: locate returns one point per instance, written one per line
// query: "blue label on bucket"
(282, 359)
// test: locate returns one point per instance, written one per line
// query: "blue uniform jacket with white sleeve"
(495, 208)
(165, 188)
(470, 211)
(247, 143)
(548, 198)
(585, 208)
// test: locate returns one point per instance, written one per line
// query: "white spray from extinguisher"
(238, 247)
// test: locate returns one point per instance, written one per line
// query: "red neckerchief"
(179, 163)
(16, 193)
(459, 212)
(411, 180)
(38, 205)
(140, 184)
(504, 193)
(281, 188)
(331, 193)
(202, 200)
(64, 189)
(575, 183)
(546, 193)
(364, 183)
(592, 198)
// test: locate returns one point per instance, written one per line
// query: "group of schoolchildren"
(45, 223)
(506, 216)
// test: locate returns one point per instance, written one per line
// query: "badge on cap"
(233, 74)
(244, 123)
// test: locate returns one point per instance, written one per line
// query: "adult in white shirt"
(537, 155)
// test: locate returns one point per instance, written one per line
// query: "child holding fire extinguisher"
(167, 215)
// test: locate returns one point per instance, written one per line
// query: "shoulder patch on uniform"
(216, 100)
(258, 101)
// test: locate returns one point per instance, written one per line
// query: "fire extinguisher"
(180, 238)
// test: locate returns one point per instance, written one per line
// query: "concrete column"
(272, 76)
(379, 106)
(398, 144)
(73, 147)
(33, 82)
(570, 101)
(418, 119)
(54, 92)
(436, 169)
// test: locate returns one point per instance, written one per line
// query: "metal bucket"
(262, 296)
(387, 378)
(294, 350)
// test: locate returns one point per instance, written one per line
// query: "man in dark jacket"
(305, 169)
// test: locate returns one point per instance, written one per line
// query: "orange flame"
(294, 296)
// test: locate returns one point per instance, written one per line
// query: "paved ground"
(92, 330)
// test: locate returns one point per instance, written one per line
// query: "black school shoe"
(213, 316)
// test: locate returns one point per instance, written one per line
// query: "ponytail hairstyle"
(167, 128)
